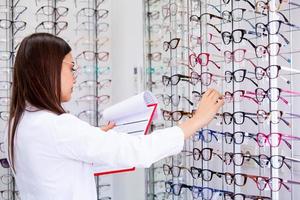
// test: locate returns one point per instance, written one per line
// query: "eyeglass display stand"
(50, 13)
(168, 19)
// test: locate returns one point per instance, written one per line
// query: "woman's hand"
(209, 105)
(109, 126)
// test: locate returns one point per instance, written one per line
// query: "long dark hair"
(36, 79)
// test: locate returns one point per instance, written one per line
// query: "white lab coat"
(55, 154)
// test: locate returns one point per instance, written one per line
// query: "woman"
(52, 153)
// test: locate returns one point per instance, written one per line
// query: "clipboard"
(145, 124)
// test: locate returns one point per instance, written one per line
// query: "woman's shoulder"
(45, 117)
(58, 123)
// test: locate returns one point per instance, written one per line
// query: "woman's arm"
(77, 140)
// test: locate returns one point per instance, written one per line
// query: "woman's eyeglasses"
(74, 68)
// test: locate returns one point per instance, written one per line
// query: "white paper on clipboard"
(133, 116)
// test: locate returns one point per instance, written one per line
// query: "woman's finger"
(109, 126)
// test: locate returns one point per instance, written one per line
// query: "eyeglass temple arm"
(189, 153)
(252, 81)
(214, 27)
(251, 43)
(246, 113)
(291, 137)
(292, 182)
(253, 157)
(285, 185)
(190, 102)
(213, 44)
(292, 159)
(213, 134)
(17, 16)
(248, 97)
(287, 143)
(251, 4)
(288, 166)
(285, 39)
(218, 66)
(284, 121)
(219, 11)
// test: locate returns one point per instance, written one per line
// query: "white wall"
(127, 53)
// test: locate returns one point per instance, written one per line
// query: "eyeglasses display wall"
(249, 51)
(85, 25)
